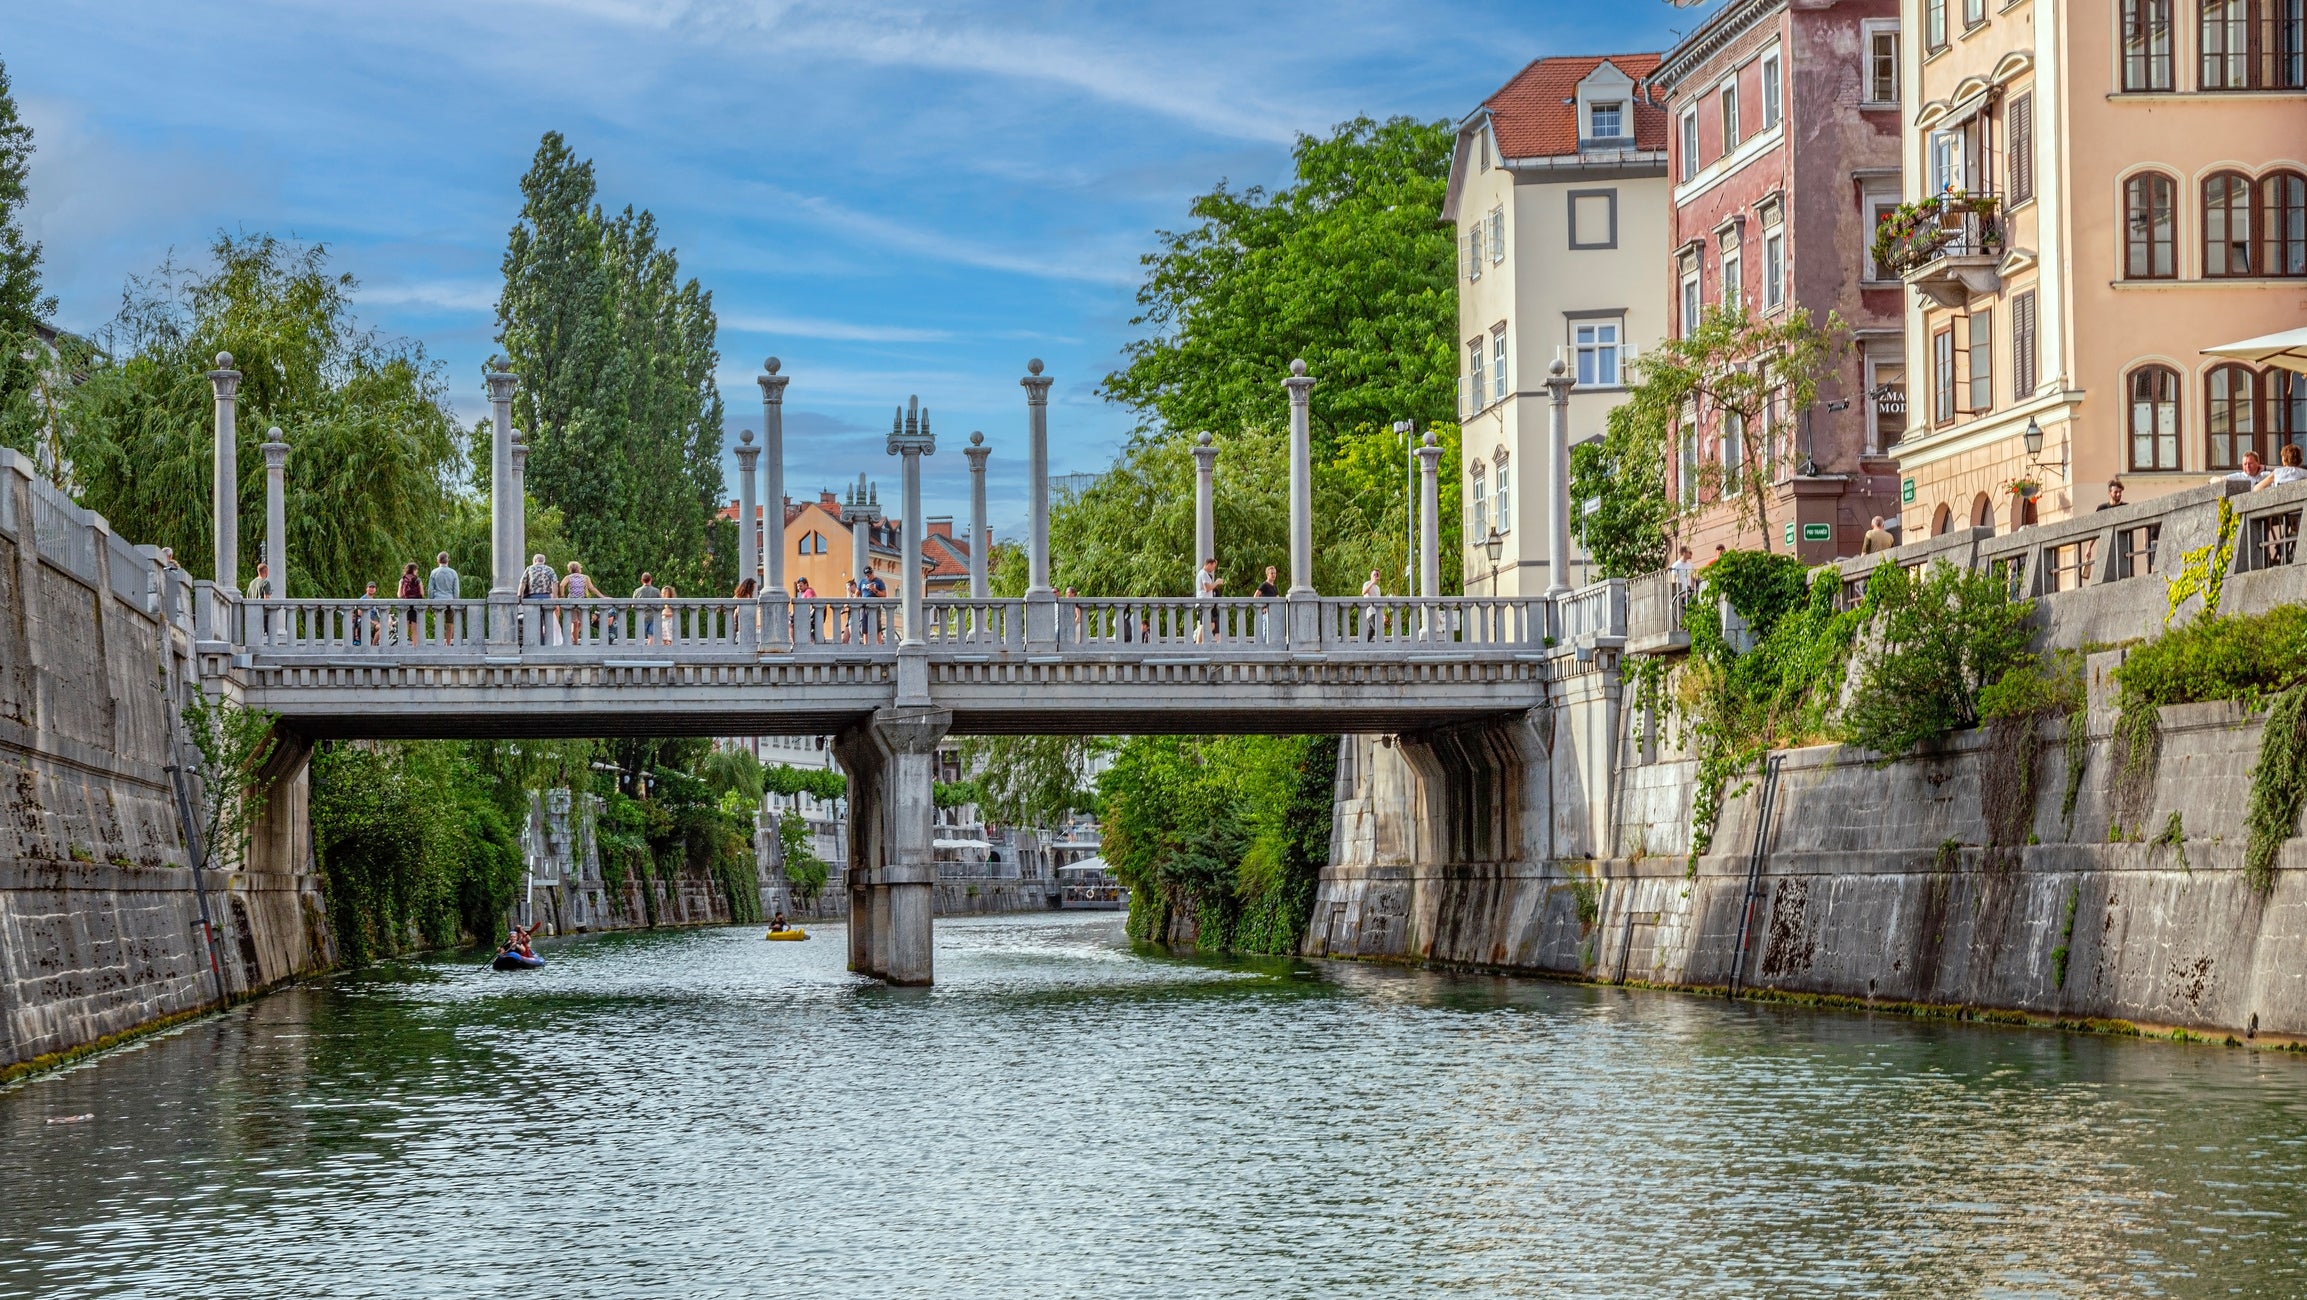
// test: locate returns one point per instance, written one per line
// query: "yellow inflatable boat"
(793, 934)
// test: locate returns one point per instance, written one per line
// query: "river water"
(704, 1114)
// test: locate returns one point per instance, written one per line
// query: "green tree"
(1346, 269)
(1735, 367)
(1945, 637)
(1623, 474)
(618, 403)
(1029, 780)
(25, 361)
(374, 462)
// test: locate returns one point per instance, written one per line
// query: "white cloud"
(835, 330)
(449, 295)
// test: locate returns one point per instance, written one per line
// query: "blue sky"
(892, 198)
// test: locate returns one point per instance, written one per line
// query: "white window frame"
(1773, 268)
(1502, 497)
(1872, 30)
(1688, 127)
(1773, 90)
(1498, 234)
(1875, 204)
(1479, 498)
(1693, 294)
(1474, 252)
(1617, 110)
(1732, 250)
(1727, 110)
(1476, 380)
(1944, 150)
(1730, 451)
(1687, 458)
(1498, 363)
(1591, 352)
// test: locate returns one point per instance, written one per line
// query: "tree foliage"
(1623, 473)
(1029, 780)
(418, 844)
(233, 743)
(374, 463)
(617, 401)
(27, 367)
(1944, 638)
(1345, 269)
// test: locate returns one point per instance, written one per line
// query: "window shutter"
(2022, 148)
(2023, 360)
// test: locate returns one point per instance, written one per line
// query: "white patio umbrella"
(2287, 349)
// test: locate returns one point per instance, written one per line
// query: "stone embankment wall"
(99, 921)
(568, 893)
(951, 898)
(1877, 884)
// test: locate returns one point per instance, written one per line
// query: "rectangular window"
(1882, 67)
(1498, 364)
(1770, 90)
(1774, 268)
(1474, 251)
(1688, 479)
(2151, 244)
(2254, 44)
(1605, 120)
(1982, 359)
(1502, 498)
(2024, 358)
(1596, 343)
(1481, 509)
(1733, 449)
(1691, 304)
(1946, 157)
(1689, 143)
(2022, 148)
(1498, 233)
(2146, 35)
(1934, 24)
(1476, 387)
(1882, 209)
(1593, 218)
(1730, 135)
(1974, 13)
(1943, 377)
(1733, 278)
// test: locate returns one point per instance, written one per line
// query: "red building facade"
(1783, 147)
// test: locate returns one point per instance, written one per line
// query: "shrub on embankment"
(1229, 831)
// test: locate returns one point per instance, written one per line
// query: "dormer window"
(1605, 121)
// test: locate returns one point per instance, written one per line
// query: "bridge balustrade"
(285, 631)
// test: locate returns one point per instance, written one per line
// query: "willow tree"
(617, 400)
(374, 464)
(25, 368)
(1738, 368)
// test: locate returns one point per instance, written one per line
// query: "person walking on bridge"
(1371, 590)
(537, 584)
(442, 585)
(577, 587)
(648, 592)
(1207, 583)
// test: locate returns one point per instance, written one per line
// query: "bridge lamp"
(1494, 546)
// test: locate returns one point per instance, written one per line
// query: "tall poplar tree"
(24, 355)
(617, 401)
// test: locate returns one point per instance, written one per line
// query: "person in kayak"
(779, 924)
(518, 942)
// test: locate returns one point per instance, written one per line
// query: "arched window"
(2149, 225)
(2228, 408)
(2283, 224)
(2154, 417)
(1942, 520)
(1983, 511)
(2227, 224)
(2285, 406)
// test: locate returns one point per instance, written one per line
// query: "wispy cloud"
(449, 295)
(943, 247)
(803, 327)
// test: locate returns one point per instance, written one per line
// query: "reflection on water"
(704, 1114)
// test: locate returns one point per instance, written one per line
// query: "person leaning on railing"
(537, 584)
(442, 585)
(412, 614)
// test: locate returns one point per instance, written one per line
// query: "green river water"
(703, 1114)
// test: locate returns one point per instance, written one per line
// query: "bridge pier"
(890, 760)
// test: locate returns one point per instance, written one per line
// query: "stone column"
(520, 519)
(1558, 386)
(891, 763)
(1205, 525)
(1301, 483)
(776, 595)
(505, 511)
(1429, 519)
(224, 493)
(980, 537)
(748, 465)
(909, 441)
(1040, 599)
(276, 512)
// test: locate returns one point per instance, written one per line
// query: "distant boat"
(793, 935)
(511, 960)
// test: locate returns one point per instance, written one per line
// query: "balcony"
(1946, 246)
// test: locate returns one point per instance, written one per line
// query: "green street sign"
(1790, 532)
(1906, 492)
(1818, 532)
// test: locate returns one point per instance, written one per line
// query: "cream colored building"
(1559, 194)
(2133, 189)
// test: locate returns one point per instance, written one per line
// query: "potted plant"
(2024, 488)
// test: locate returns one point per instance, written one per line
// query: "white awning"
(961, 844)
(2287, 349)
(1086, 864)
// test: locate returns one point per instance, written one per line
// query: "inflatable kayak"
(793, 934)
(510, 960)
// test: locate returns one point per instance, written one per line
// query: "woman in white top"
(2290, 471)
(577, 587)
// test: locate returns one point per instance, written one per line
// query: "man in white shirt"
(2254, 469)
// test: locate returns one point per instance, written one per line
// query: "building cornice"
(1712, 37)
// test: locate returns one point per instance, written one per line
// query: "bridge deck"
(392, 669)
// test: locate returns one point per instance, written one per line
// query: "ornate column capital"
(977, 451)
(275, 451)
(772, 383)
(501, 385)
(1036, 384)
(748, 455)
(909, 431)
(1559, 381)
(1205, 453)
(1301, 387)
(226, 379)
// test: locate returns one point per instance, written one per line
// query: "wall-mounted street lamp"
(1494, 546)
(2034, 442)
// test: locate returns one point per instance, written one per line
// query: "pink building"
(1784, 143)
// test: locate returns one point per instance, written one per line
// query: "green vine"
(2066, 937)
(2278, 786)
(2203, 571)
(2174, 836)
(2078, 749)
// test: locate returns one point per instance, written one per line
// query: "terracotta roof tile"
(947, 559)
(1536, 115)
